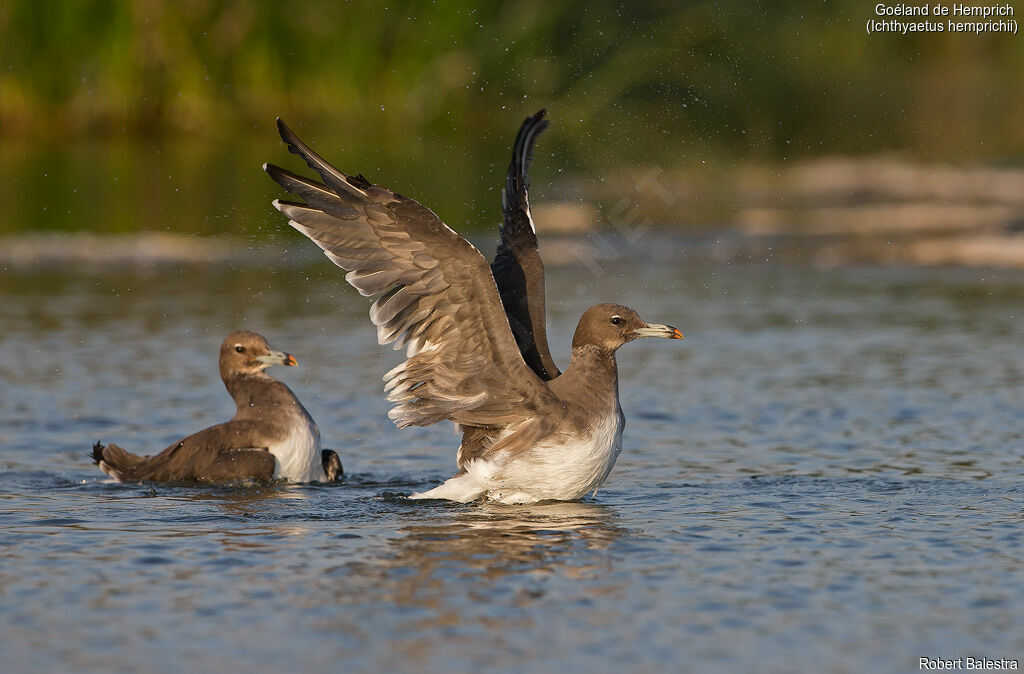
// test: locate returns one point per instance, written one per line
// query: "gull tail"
(462, 488)
(116, 462)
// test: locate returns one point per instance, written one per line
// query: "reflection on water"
(491, 541)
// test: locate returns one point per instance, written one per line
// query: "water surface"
(825, 475)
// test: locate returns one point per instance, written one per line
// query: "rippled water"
(826, 475)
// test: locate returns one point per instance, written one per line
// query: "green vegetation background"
(157, 115)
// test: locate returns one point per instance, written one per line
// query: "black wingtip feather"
(536, 126)
(288, 180)
(522, 151)
(360, 181)
(283, 130)
(295, 145)
(516, 198)
(332, 176)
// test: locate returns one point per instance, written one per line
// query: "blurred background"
(777, 122)
(825, 475)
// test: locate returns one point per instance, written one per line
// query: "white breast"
(298, 454)
(562, 468)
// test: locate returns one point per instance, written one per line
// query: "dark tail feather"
(114, 461)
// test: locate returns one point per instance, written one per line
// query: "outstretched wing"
(517, 267)
(436, 297)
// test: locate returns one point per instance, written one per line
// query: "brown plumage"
(267, 415)
(437, 296)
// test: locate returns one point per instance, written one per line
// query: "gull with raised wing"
(476, 350)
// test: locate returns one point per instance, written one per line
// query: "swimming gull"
(533, 436)
(270, 437)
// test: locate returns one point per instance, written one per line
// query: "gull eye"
(616, 320)
(239, 348)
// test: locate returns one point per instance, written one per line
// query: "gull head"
(244, 352)
(609, 326)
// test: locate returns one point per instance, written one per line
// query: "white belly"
(298, 454)
(558, 469)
